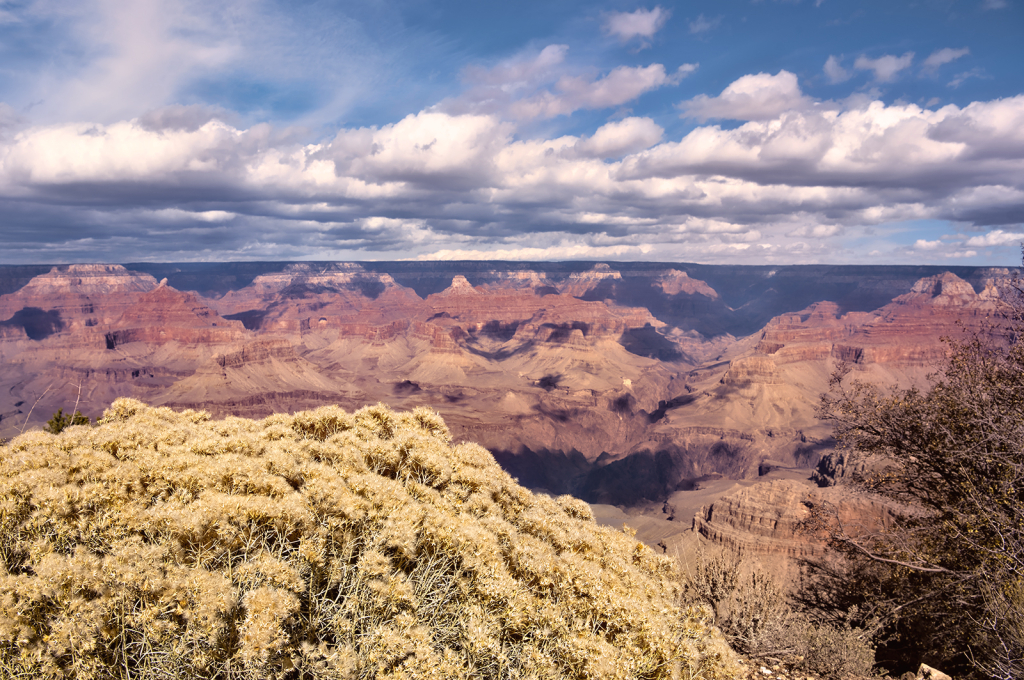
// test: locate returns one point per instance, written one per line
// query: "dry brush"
(323, 544)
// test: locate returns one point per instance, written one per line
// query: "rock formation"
(622, 384)
(771, 519)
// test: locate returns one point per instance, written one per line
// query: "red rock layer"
(772, 518)
(83, 295)
(472, 308)
(165, 315)
(906, 331)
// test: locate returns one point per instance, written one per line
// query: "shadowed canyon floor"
(670, 390)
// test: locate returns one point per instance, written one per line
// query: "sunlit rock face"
(73, 298)
(771, 521)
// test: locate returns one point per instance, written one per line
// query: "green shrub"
(320, 545)
(61, 420)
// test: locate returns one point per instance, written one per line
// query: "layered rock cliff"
(582, 378)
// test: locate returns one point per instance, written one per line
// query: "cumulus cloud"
(996, 237)
(885, 67)
(792, 182)
(943, 56)
(754, 97)
(177, 117)
(643, 24)
(521, 71)
(685, 70)
(615, 140)
(835, 72)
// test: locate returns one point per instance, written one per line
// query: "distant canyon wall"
(618, 382)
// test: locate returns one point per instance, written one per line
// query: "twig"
(75, 410)
(25, 424)
(908, 565)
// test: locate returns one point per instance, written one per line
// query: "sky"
(725, 131)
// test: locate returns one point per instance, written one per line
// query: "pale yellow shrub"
(318, 545)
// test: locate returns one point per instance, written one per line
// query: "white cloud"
(428, 148)
(754, 97)
(995, 4)
(816, 231)
(959, 78)
(575, 251)
(615, 140)
(943, 56)
(685, 70)
(793, 181)
(996, 237)
(643, 23)
(104, 61)
(530, 87)
(521, 71)
(176, 214)
(835, 72)
(885, 67)
(703, 24)
(572, 93)
(135, 55)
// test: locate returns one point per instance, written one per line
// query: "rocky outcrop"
(259, 352)
(772, 519)
(906, 332)
(72, 298)
(305, 298)
(579, 284)
(752, 369)
(675, 282)
(165, 315)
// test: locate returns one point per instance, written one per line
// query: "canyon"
(678, 398)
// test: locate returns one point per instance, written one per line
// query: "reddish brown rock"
(752, 369)
(306, 298)
(75, 297)
(165, 315)
(771, 518)
(579, 284)
(674, 282)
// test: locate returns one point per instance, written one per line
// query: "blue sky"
(734, 131)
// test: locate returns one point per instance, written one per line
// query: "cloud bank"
(789, 183)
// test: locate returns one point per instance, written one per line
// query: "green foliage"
(953, 456)
(323, 545)
(60, 420)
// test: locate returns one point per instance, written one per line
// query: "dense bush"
(322, 545)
